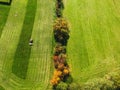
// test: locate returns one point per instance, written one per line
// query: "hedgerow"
(61, 36)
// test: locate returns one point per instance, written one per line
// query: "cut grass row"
(39, 70)
(9, 39)
(4, 0)
(4, 11)
(22, 54)
(93, 48)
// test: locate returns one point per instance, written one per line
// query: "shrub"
(115, 78)
(60, 23)
(59, 49)
(59, 8)
(98, 84)
(66, 71)
(69, 79)
(74, 86)
(59, 4)
(61, 37)
(56, 77)
(62, 86)
(61, 66)
(59, 12)
(61, 31)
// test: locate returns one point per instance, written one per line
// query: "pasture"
(94, 45)
(4, 0)
(93, 49)
(25, 22)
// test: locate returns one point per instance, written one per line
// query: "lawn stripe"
(22, 54)
(40, 59)
(10, 37)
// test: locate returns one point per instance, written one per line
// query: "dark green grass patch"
(1, 88)
(4, 10)
(22, 54)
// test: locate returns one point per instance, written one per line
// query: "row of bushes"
(59, 8)
(62, 71)
(61, 36)
(61, 31)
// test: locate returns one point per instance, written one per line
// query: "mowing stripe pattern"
(9, 40)
(4, 11)
(22, 54)
(39, 70)
(94, 45)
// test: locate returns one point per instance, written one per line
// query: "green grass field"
(38, 25)
(4, 10)
(22, 54)
(94, 45)
(93, 48)
(4, 0)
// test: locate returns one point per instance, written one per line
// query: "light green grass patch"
(93, 47)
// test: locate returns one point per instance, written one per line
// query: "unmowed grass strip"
(4, 11)
(22, 54)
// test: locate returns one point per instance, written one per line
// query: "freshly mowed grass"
(94, 44)
(39, 69)
(40, 63)
(4, 11)
(9, 40)
(22, 54)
